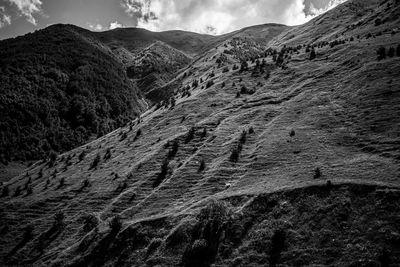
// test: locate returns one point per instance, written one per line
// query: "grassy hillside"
(59, 88)
(135, 39)
(277, 154)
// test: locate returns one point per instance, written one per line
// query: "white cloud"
(115, 24)
(216, 16)
(329, 6)
(28, 8)
(4, 18)
(95, 27)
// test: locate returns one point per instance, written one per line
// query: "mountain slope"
(59, 87)
(135, 39)
(288, 161)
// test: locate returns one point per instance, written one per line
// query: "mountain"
(278, 152)
(59, 87)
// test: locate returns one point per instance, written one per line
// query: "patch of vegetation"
(190, 135)
(202, 165)
(95, 162)
(55, 93)
(163, 173)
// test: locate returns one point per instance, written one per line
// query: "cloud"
(4, 18)
(115, 24)
(318, 11)
(95, 27)
(216, 16)
(28, 8)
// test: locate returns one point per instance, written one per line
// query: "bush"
(204, 133)
(95, 162)
(234, 157)
(53, 158)
(17, 191)
(82, 155)
(202, 165)
(172, 152)
(29, 190)
(61, 183)
(107, 155)
(138, 134)
(317, 173)
(115, 224)
(85, 183)
(292, 133)
(312, 54)
(398, 50)
(209, 84)
(190, 135)
(59, 219)
(381, 53)
(243, 137)
(251, 130)
(391, 52)
(162, 175)
(5, 191)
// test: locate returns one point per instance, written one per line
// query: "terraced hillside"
(283, 153)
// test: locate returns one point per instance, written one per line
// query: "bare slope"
(302, 160)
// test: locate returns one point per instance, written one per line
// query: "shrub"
(29, 190)
(243, 137)
(124, 135)
(317, 173)
(95, 162)
(378, 22)
(138, 134)
(204, 133)
(107, 155)
(312, 54)
(398, 50)
(202, 165)
(381, 53)
(391, 52)
(209, 83)
(17, 191)
(115, 224)
(174, 149)
(190, 135)
(251, 130)
(222, 84)
(5, 191)
(53, 158)
(82, 155)
(292, 133)
(61, 183)
(234, 157)
(237, 94)
(162, 175)
(85, 183)
(59, 219)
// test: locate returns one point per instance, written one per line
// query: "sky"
(19, 17)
